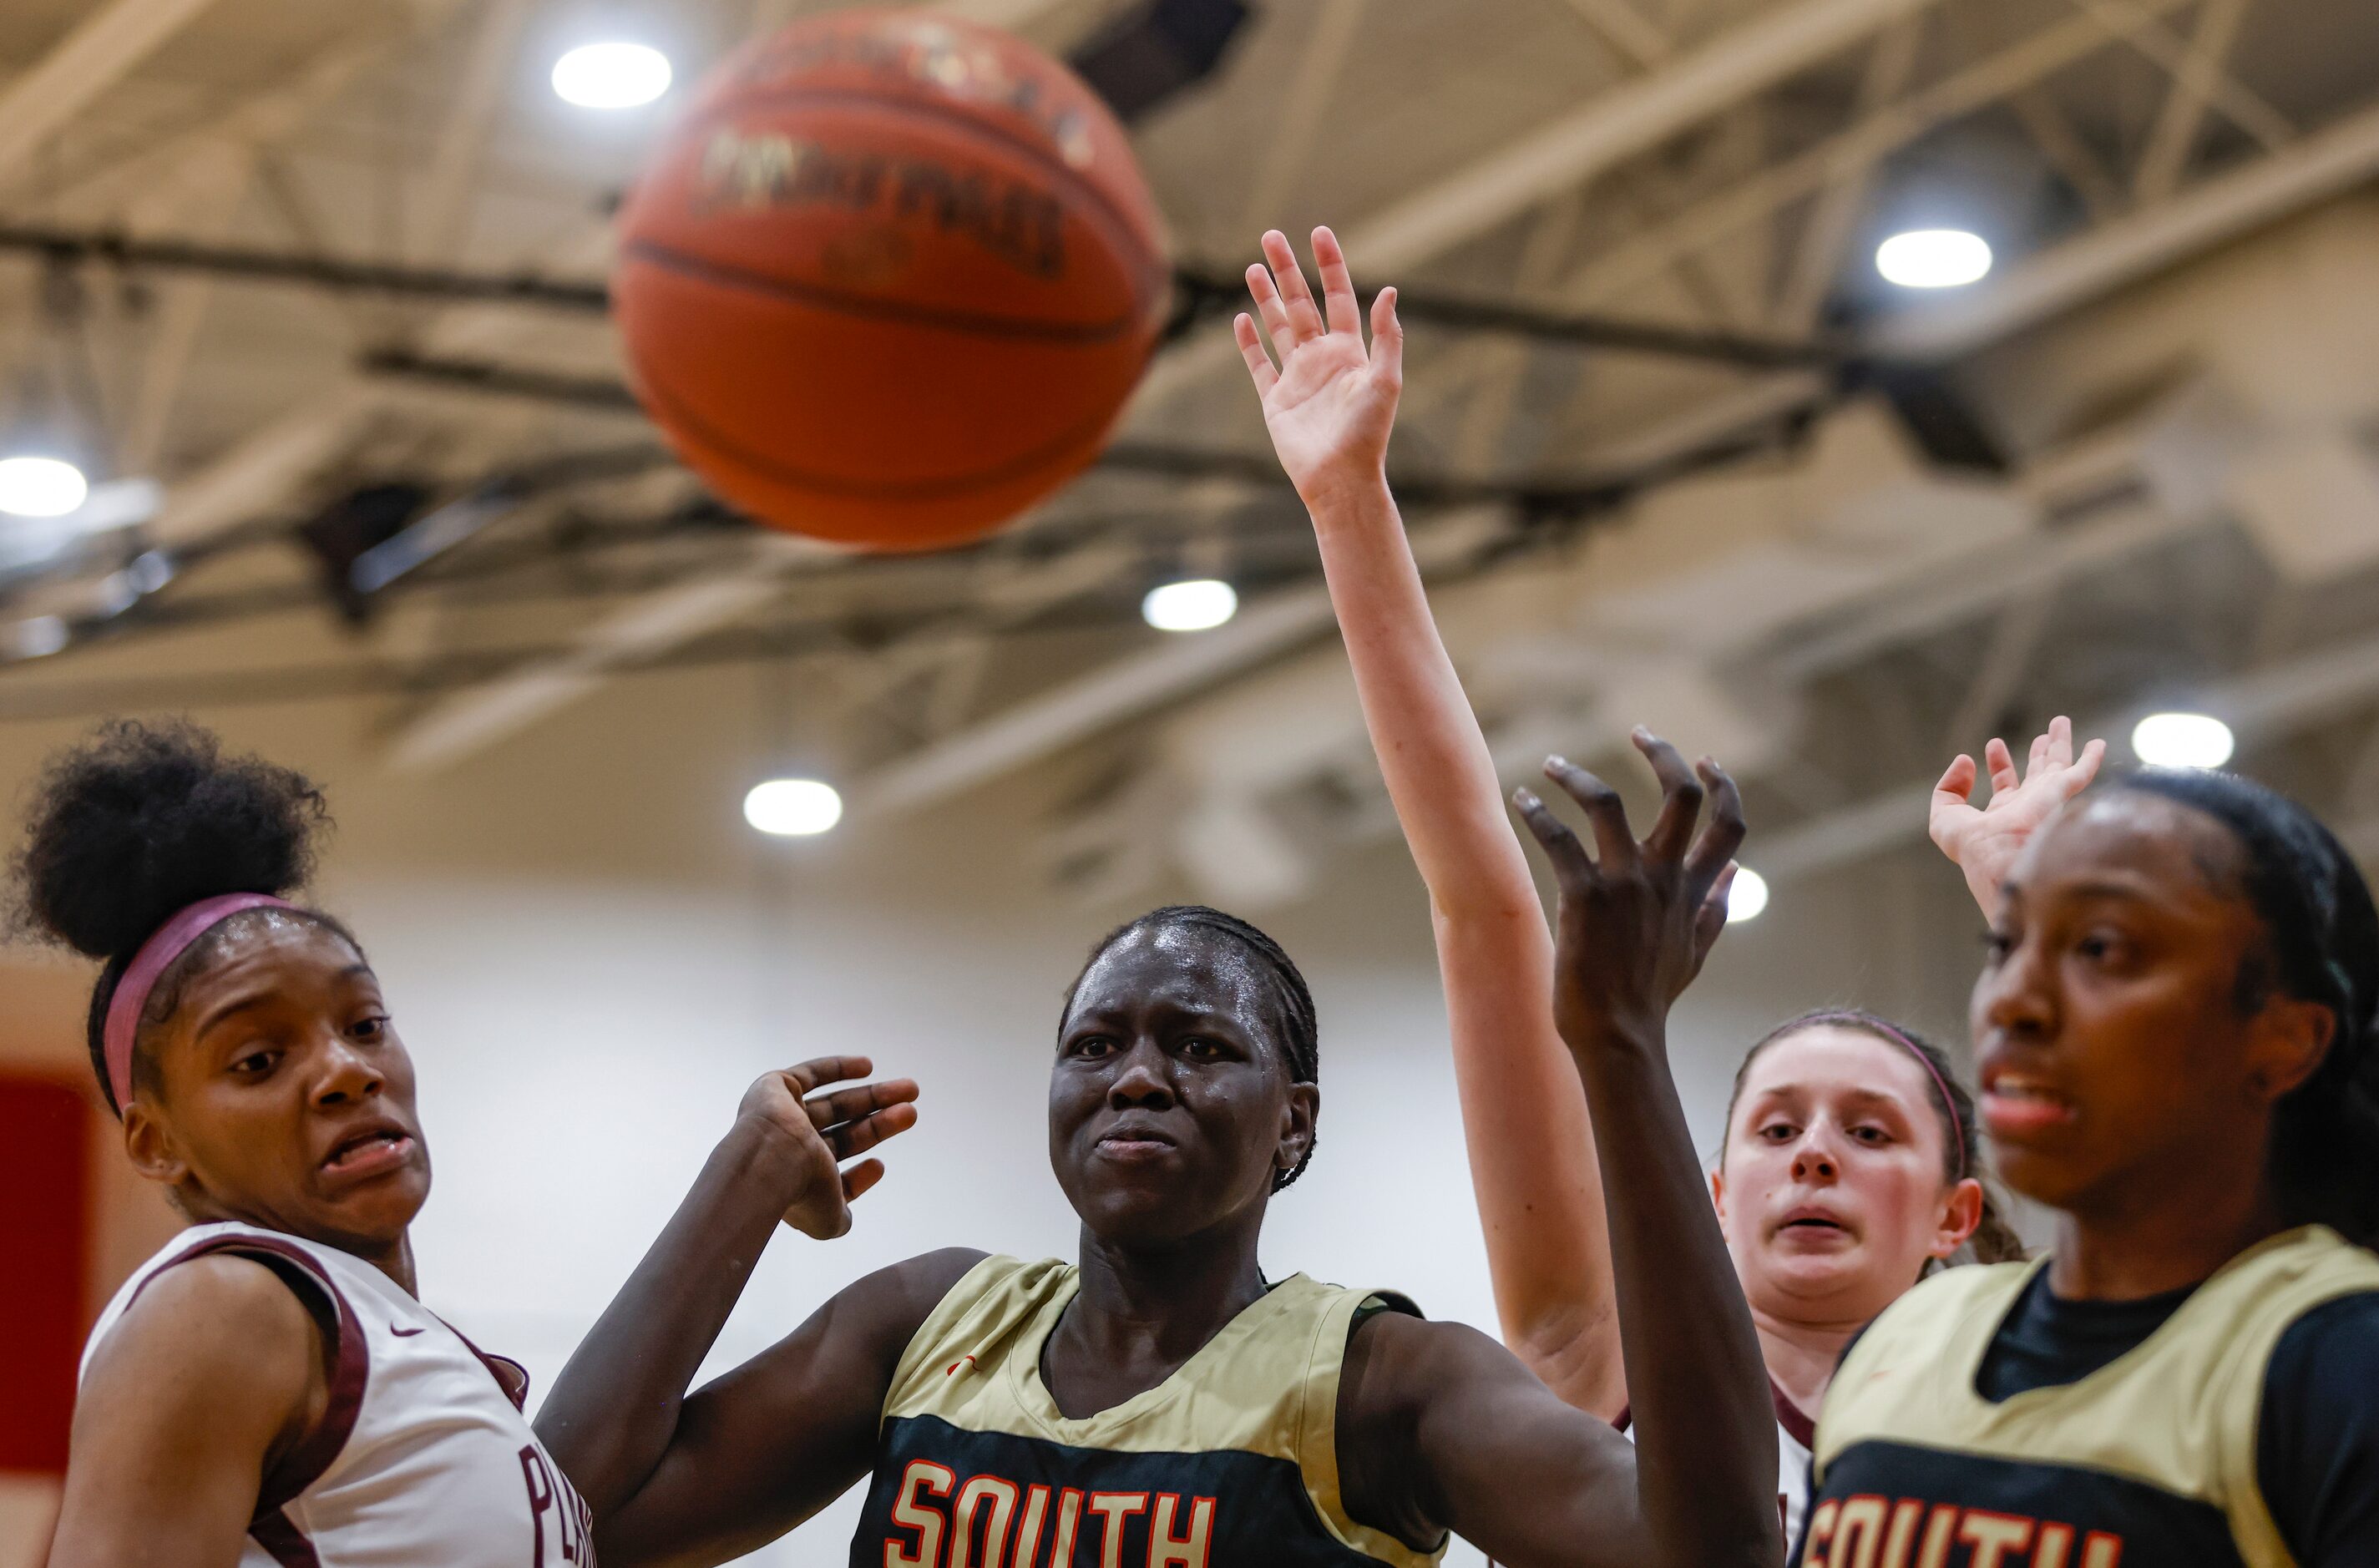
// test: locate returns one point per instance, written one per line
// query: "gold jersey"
(2149, 1462)
(1233, 1459)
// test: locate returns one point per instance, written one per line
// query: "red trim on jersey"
(350, 1369)
(283, 1541)
(1789, 1416)
(510, 1375)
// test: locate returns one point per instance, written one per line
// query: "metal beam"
(2311, 169)
(2177, 123)
(97, 53)
(2259, 705)
(1627, 120)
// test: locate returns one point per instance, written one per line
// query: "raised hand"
(1331, 403)
(1637, 919)
(810, 1135)
(1983, 843)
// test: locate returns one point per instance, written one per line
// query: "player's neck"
(1155, 1306)
(2158, 1236)
(1801, 1356)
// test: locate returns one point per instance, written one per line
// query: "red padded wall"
(46, 1246)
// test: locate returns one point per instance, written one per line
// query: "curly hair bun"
(143, 818)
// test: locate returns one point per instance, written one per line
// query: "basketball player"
(1850, 1162)
(269, 1388)
(2173, 1034)
(1162, 1401)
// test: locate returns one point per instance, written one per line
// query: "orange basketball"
(890, 278)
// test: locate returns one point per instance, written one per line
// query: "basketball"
(889, 280)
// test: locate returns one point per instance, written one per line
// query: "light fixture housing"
(1748, 896)
(2183, 740)
(1934, 258)
(613, 75)
(1199, 605)
(41, 487)
(792, 808)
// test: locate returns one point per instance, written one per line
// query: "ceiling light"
(1195, 605)
(35, 638)
(612, 76)
(2183, 740)
(792, 808)
(41, 487)
(1933, 258)
(1748, 896)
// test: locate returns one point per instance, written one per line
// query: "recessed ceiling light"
(2183, 740)
(792, 808)
(612, 76)
(1748, 896)
(1933, 258)
(1195, 605)
(41, 487)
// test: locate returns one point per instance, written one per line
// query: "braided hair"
(1301, 1036)
(138, 822)
(2322, 945)
(1995, 1240)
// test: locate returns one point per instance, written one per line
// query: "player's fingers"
(818, 1071)
(2040, 748)
(1709, 920)
(1387, 340)
(2060, 742)
(850, 1105)
(1614, 841)
(1722, 834)
(1339, 311)
(1260, 367)
(1681, 798)
(2001, 764)
(1273, 310)
(1304, 317)
(1572, 870)
(858, 1137)
(857, 1180)
(2078, 776)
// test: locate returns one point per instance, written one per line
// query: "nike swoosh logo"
(404, 1334)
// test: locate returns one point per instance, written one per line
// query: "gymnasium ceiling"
(2135, 466)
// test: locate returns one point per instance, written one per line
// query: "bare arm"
(214, 1373)
(1330, 405)
(618, 1420)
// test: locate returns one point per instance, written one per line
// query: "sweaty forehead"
(1831, 1060)
(2143, 839)
(1185, 967)
(266, 946)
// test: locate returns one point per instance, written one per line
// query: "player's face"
(285, 1098)
(1171, 1103)
(2109, 1044)
(1833, 1192)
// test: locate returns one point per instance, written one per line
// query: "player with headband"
(1849, 1166)
(269, 1388)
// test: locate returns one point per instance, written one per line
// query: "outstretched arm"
(1442, 1429)
(617, 1415)
(1985, 842)
(1330, 405)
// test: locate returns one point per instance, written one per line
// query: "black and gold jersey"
(1233, 1459)
(2149, 1458)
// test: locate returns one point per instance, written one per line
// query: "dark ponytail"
(2322, 947)
(1995, 1240)
(137, 822)
(1301, 1029)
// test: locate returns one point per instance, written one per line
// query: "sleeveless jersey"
(1233, 1459)
(2148, 1462)
(423, 1455)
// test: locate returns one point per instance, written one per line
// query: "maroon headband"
(169, 942)
(1941, 1085)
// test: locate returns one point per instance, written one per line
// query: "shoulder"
(896, 1301)
(1936, 1303)
(1397, 1361)
(2317, 1431)
(223, 1331)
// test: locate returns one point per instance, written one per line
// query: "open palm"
(1331, 402)
(1985, 842)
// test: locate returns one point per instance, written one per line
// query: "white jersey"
(423, 1455)
(1796, 1435)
